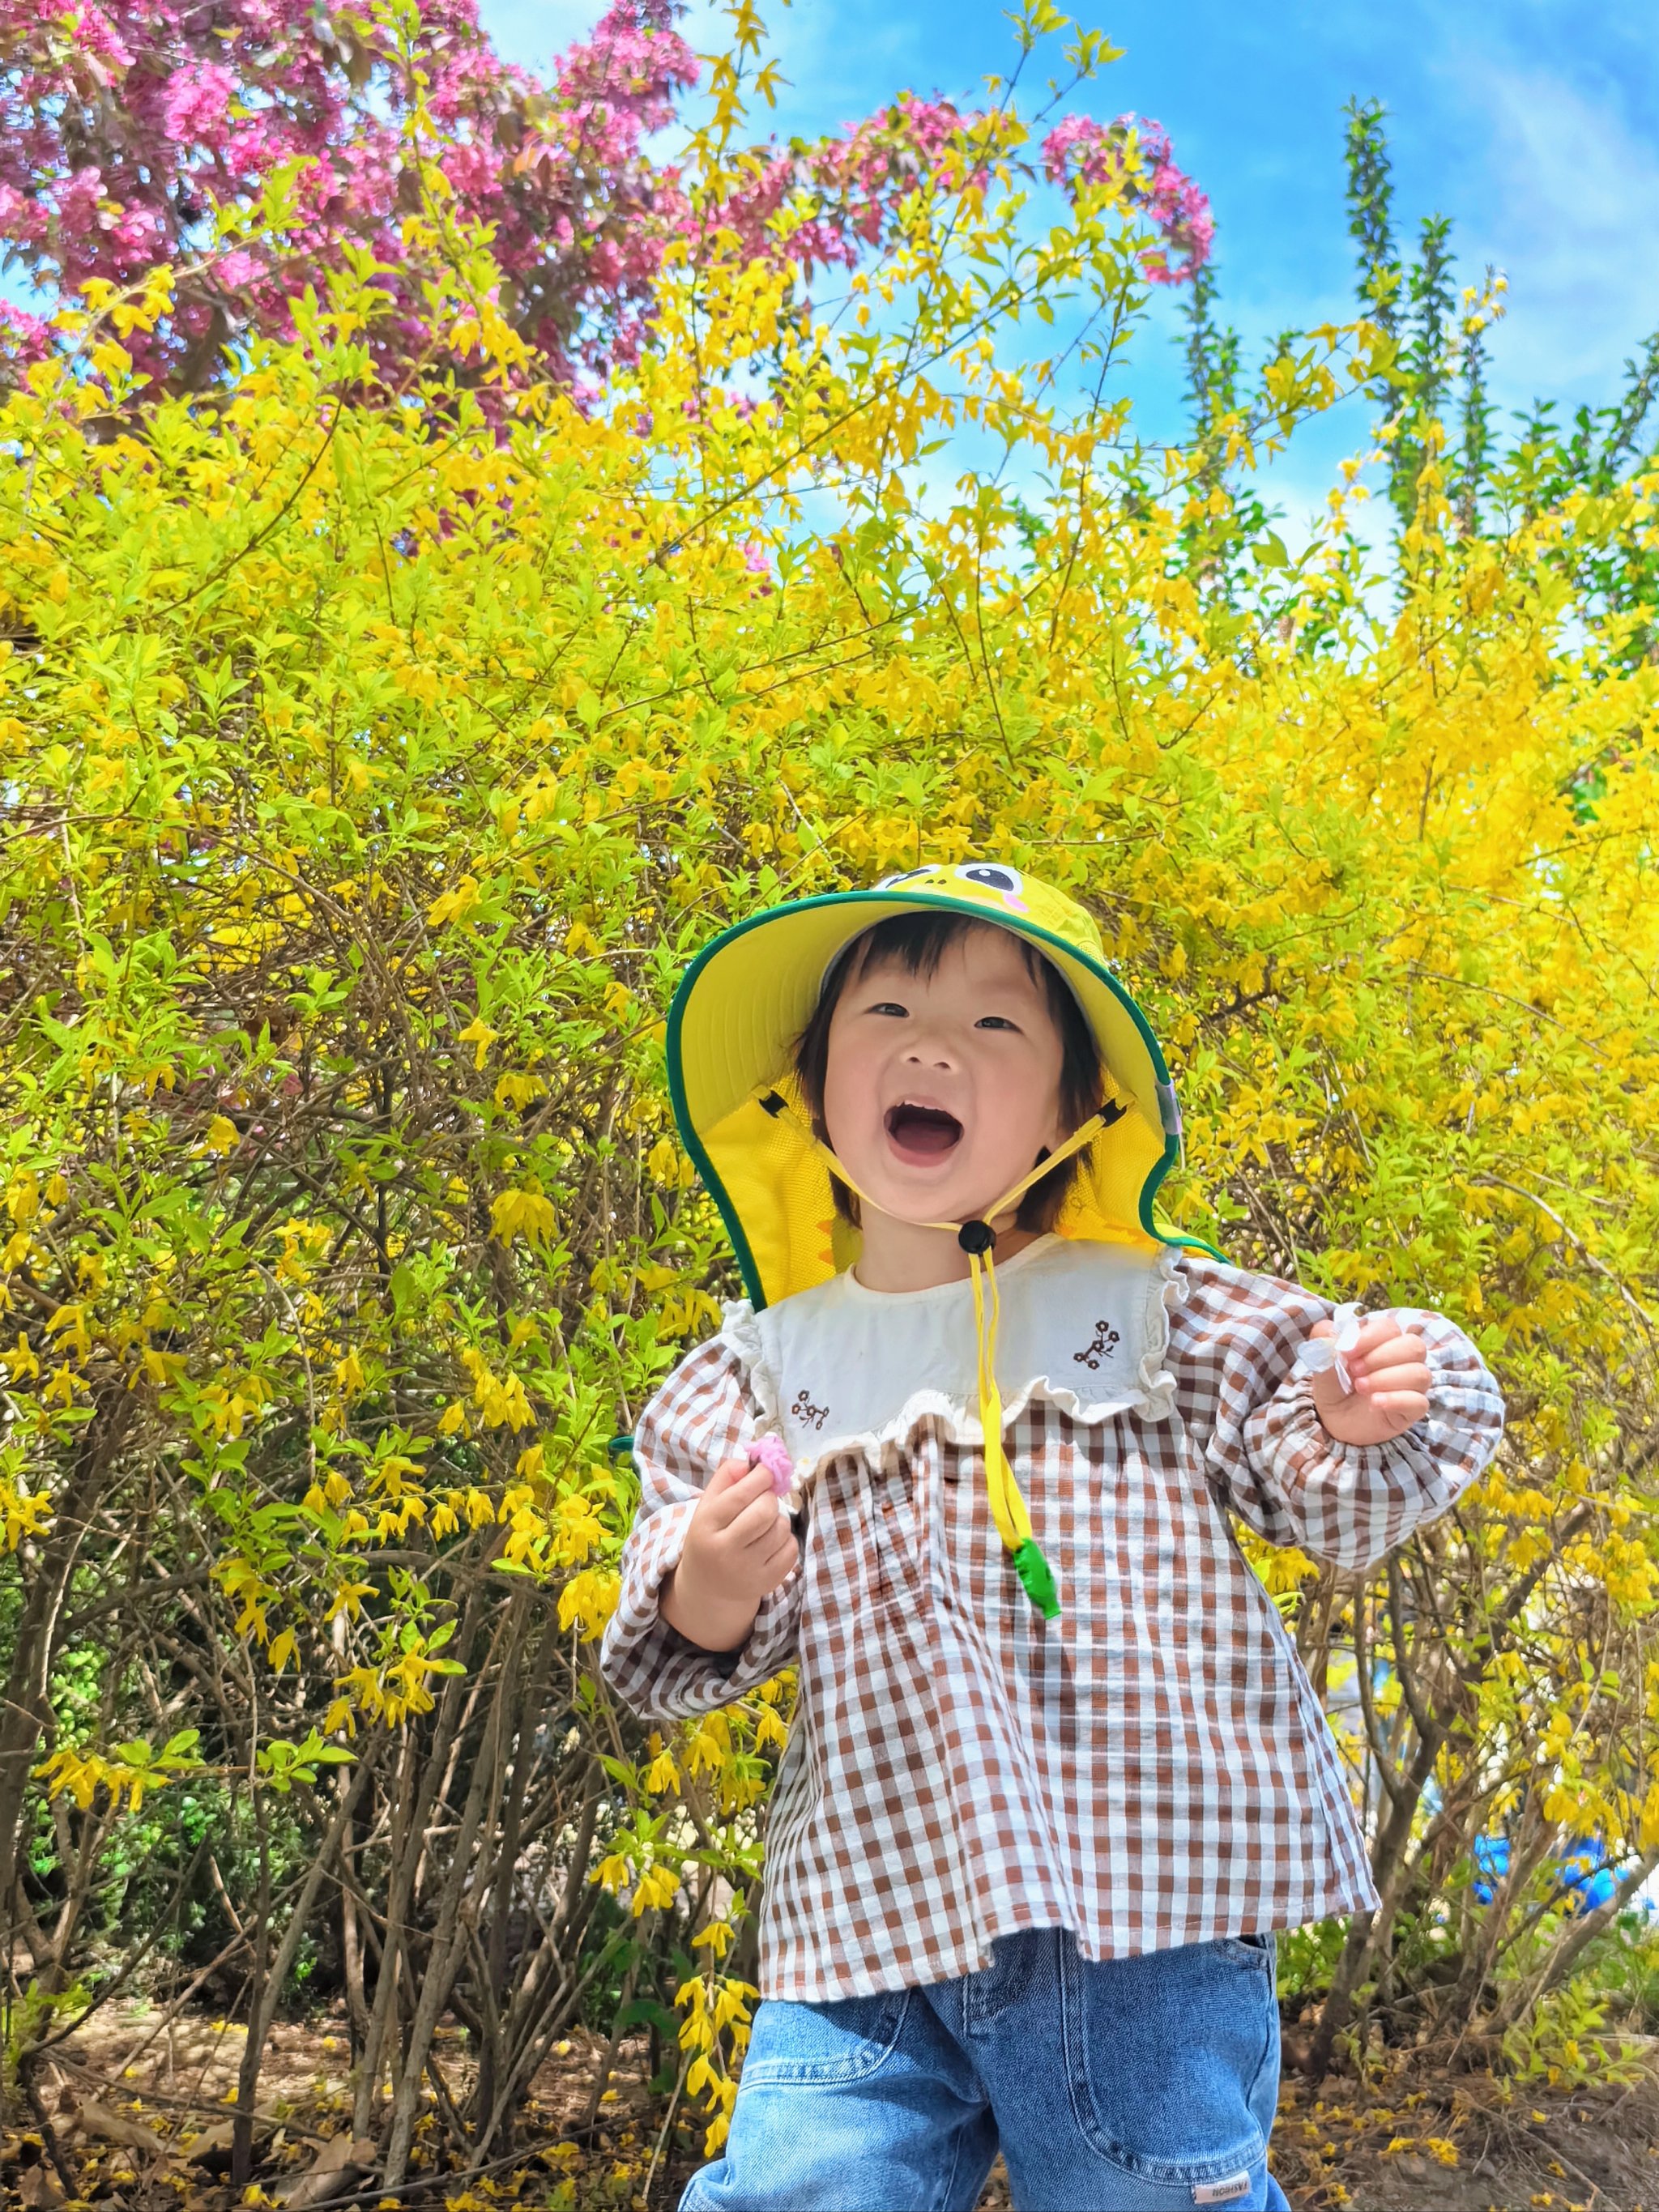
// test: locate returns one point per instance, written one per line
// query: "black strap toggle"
(976, 1237)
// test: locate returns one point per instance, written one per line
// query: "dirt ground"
(1514, 2145)
(137, 2114)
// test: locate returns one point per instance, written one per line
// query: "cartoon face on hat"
(1007, 895)
(989, 880)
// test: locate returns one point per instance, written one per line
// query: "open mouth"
(922, 1132)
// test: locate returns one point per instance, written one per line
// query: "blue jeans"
(1136, 2085)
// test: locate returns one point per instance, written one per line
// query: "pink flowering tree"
(1081, 151)
(128, 128)
(131, 132)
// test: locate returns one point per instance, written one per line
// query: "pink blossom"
(196, 100)
(773, 1454)
(23, 338)
(1078, 151)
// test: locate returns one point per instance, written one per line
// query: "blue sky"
(1534, 123)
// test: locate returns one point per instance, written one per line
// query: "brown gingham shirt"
(1151, 1768)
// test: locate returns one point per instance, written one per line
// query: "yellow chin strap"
(978, 1240)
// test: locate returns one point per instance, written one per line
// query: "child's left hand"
(1390, 1369)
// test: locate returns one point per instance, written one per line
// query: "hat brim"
(731, 1032)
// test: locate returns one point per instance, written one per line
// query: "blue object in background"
(1491, 1863)
(1586, 1875)
(1582, 1870)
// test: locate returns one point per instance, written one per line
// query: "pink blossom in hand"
(772, 1454)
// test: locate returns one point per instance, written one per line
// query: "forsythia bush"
(374, 761)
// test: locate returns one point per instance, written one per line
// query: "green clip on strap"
(1037, 1577)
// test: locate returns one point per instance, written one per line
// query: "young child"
(1056, 1775)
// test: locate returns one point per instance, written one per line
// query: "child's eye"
(995, 1022)
(889, 1006)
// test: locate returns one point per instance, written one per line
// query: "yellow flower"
(657, 1886)
(24, 1514)
(455, 906)
(222, 1135)
(578, 1530)
(479, 1035)
(348, 1596)
(69, 1322)
(662, 1773)
(517, 1090)
(588, 1600)
(21, 1359)
(525, 1213)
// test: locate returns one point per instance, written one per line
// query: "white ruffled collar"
(842, 1367)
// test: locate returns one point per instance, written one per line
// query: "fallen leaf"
(39, 2189)
(334, 2170)
(95, 2119)
(212, 2143)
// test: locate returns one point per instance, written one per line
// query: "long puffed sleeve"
(1233, 1344)
(703, 1414)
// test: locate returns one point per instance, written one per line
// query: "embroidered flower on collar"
(1103, 1344)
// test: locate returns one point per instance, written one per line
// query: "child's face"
(940, 1090)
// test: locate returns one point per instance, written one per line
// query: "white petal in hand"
(1386, 1369)
(1320, 1354)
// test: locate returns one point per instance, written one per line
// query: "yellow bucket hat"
(731, 1034)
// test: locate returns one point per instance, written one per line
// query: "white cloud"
(1573, 217)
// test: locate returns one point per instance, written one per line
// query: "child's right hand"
(738, 1548)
